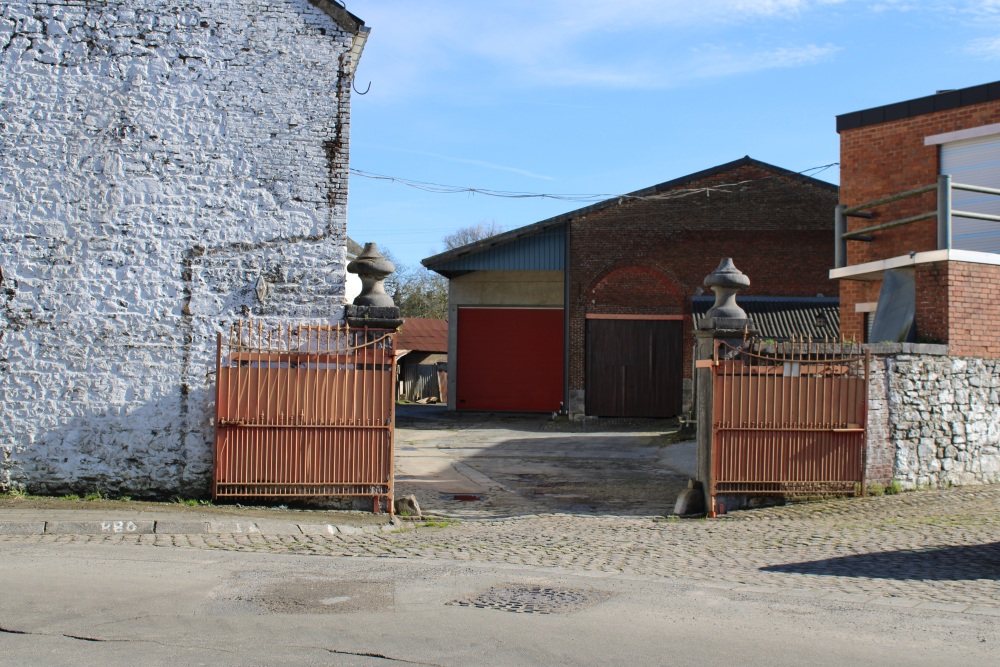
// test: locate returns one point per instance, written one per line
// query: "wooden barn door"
(634, 368)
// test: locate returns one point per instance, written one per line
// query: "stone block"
(318, 529)
(22, 527)
(104, 527)
(182, 527)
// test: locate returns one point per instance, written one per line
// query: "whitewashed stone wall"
(159, 161)
(935, 418)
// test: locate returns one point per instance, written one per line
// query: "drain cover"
(532, 599)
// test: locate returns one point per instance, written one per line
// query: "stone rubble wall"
(165, 168)
(935, 418)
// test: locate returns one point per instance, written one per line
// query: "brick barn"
(612, 335)
(935, 278)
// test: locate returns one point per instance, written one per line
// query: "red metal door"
(510, 359)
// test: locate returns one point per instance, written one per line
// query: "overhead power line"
(440, 188)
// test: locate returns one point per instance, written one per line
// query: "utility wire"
(439, 188)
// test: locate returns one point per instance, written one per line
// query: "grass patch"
(440, 523)
(192, 502)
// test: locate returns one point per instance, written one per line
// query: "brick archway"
(628, 286)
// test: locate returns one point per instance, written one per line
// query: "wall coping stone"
(908, 348)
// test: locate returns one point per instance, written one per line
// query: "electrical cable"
(440, 188)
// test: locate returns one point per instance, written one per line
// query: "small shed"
(422, 360)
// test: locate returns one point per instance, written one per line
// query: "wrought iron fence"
(788, 418)
(304, 411)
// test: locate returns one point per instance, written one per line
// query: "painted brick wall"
(159, 162)
(648, 257)
(881, 160)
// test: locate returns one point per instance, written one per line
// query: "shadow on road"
(953, 563)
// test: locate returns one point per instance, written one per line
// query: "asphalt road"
(561, 559)
(66, 603)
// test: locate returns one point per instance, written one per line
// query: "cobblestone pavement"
(930, 548)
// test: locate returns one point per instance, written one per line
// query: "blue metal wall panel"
(544, 251)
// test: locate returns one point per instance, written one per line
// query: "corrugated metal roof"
(780, 317)
(544, 250)
(421, 334)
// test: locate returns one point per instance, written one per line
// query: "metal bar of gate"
(297, 419)
(776, 431)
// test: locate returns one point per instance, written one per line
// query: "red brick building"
(612, 336)
(950, 262)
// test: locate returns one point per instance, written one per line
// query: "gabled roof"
(343, 18)
(350, 24)
(781, 317)
(435, 262)
(352, 247)
(946, 99)
(420, 334)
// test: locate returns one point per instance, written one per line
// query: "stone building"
(165, 168)
(591, 310)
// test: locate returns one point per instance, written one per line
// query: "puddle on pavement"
(464, 497)
(255, 596)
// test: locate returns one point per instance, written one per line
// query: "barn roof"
(545, 251)
(421, 334)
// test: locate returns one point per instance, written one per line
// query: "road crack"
(11, 631)
(380, 656)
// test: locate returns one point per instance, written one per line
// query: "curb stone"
(148, 527)
(18, 528)
(110, 527)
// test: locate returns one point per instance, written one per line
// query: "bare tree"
(472, 233)
(420, 292)
(417, 291)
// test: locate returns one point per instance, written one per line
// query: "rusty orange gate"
(788, 419)
(304, 411)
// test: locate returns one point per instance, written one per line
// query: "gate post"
(725, 320)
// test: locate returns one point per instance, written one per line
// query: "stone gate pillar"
(725, 320)
(373, 307)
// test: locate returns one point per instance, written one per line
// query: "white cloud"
(724, 62)
(987, 48)
(461, 160)
(415, 46)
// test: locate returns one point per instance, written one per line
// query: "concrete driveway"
(483, 465)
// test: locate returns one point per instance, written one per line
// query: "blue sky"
(610, 96)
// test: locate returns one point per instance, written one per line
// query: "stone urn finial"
(726, 281)
(373, 269)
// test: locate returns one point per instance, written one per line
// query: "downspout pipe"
(566, 277)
